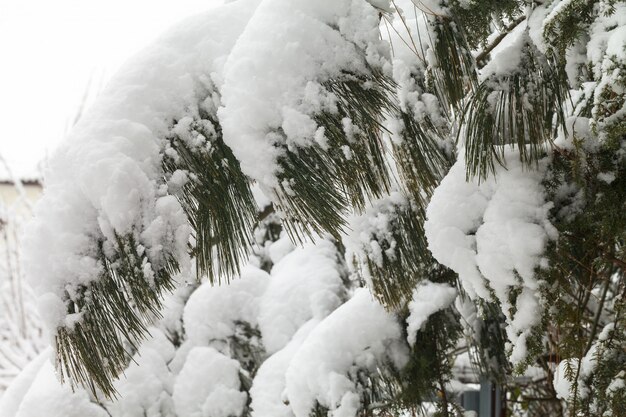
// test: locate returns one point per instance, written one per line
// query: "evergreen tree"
(462, 160)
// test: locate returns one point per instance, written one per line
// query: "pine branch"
(112, 314)
(480, 58)
(395, 257)
(455, 72)
(520, 109)
(420, 157)
(319, 183)
(216, 197)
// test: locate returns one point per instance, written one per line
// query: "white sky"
(49, 50)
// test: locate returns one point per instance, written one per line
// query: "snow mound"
(494, 234)
(359, 334)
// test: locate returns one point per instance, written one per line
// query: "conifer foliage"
(464, 161)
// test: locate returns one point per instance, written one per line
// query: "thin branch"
(596, 319)
(481, 56)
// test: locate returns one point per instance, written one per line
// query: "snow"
(212, 311)
(562, 386)
(578, 128)
(618, 383)
(493, 234)
(278, 111)
(104, 180)
(14, 395)
(279, 249)
(506, 57)
(606, 51)
(268, 397)
(46, 397)
(218, 393)
(305, 284)
(142, 390)
(536, 25)
(607, 38)
(359, 334)
(428, 298)
(370, 228)
(411, 39)
(582, 369)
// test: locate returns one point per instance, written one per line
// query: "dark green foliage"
(518, 109)
(424, 378)
(455, 73)
(364, 101)
(611, 357)
(420, 158)
(607, 108)
(216, 198)
(310, 201)
(491, 357)
(568, 25)
(404, 255)
(114, 310)
(477, 18)
(588, 266)
(318, 183)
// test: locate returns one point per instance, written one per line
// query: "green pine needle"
(454, 75)
(114, 313)
(521, 110)
(317, 185)
(403, 259)
(216, 198)
(420, 157)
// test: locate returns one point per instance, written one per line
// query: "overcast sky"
(49, 50)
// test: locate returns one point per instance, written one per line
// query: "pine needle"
(216, 198)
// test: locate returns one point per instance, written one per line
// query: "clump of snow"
(12, 398)
(211, 313)
(562, 385)
(47, 397)
(607, 177)
(369, 229)
(580, 369)
(359, 334)
(493, 234)
(411, 38)
(617, 384)
(268, 397)
(428, 298)
(279, 249)
(279, 110)
(305, 284)
(578, 129)
(208, 385)
(507, 56)
(144, 388)
(606, 52)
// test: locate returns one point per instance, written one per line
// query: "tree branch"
(481, 56)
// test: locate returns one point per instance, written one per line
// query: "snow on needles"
(277, 90)
(428, 298)
(356, 335)
(104, 182)
(493, 234)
